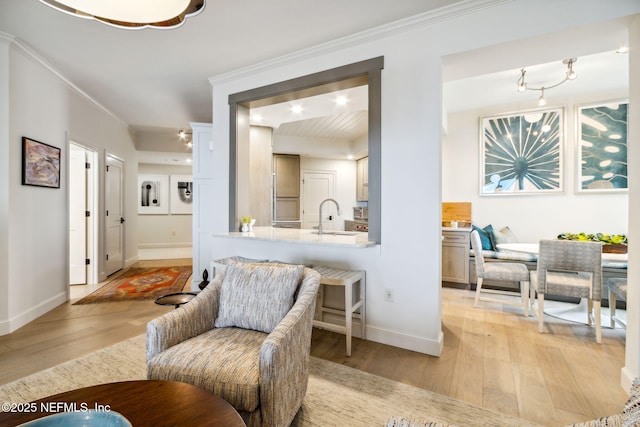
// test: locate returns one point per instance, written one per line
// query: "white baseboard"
(168, 251)
(408, 342)
(626, 378)
(33, 313)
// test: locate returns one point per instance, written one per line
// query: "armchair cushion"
(205, 359)
(257, 298)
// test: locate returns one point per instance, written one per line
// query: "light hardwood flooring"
(493, 356)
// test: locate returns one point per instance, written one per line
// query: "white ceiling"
(157, 80)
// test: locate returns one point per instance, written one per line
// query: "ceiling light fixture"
(570, 74)
(131, 14)
(186, 137)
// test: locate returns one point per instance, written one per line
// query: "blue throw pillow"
(486, 235)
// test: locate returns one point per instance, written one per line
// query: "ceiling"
(156, 80)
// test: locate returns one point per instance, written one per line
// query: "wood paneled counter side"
(352, 239)
(455, 254)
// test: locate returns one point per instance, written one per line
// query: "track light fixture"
(186, 137)
(570, 74)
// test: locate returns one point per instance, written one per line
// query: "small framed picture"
(40, 164)
(602, 147)
(181, 194)
(153, 194)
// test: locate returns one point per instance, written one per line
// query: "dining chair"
(617, 289)
(570, 268)
(503, 271)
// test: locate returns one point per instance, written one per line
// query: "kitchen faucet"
(320, 213)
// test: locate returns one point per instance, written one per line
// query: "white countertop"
(354, 239)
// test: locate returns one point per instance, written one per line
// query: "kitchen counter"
(304, 236)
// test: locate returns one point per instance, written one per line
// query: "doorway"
(83, 220)
(316, 187)
(114, 214)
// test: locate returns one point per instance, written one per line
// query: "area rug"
(336, 396)
(140, 284)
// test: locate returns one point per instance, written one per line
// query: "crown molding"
(29, 52)
(397, 27)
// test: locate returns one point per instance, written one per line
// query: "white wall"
(5, 161)
(530, 217)
(37, 216)
(408, 260)
(631, 369)
(165, 236)
(44, 106)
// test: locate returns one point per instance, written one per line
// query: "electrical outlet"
(388, 295)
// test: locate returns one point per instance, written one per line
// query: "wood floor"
(493, 356)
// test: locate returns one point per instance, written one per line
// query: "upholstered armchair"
(246, 338)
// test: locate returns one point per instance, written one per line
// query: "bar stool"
(347, 279)
(617, 288)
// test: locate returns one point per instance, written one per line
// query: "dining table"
(566, 311)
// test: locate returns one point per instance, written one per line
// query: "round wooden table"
(144, 403)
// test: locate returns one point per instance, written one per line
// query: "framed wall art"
(40, 164)
(181, 194)
(153, 194)
(521, 153)
(602, 147)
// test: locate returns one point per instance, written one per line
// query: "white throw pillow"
(504, 235)
(257, 296)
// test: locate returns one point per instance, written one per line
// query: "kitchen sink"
(335, 233)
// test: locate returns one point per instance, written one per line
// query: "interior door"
(316, 187)
(114, 215)
(77, 216)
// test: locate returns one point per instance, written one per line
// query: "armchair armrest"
(284, 357)
(188, 321)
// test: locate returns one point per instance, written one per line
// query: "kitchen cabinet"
(286, 168)
(362, 179)
(286, 197)
(455, 255)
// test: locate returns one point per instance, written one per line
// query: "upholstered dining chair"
(570, 268)
(617, 289)
(504, 271)
(246, 338)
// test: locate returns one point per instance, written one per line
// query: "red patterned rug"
(141, 283)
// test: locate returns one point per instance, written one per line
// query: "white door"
(114, 215)
(77, 216)
(316, 187)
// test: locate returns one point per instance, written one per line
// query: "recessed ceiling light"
(257, 118)
(188, 160)
(622, 49)
(341, 100)
(296, 109)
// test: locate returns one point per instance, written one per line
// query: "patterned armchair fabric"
(264, 376)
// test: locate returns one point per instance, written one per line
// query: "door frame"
(92, 192)
(108, 156)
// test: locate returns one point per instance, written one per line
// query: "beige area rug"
(337, 395)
